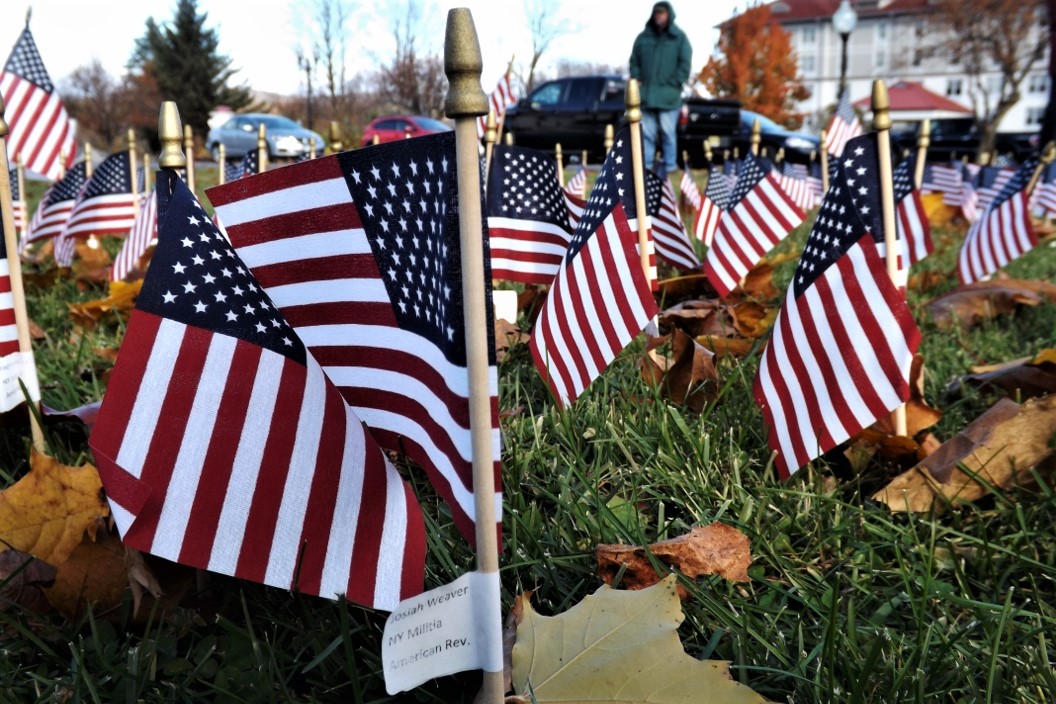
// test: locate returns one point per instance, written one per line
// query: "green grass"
(847, 603)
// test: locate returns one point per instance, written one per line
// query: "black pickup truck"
(956, 137)
(574, 111)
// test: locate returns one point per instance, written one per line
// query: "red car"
(392, 127)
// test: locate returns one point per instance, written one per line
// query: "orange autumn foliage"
(755, 63)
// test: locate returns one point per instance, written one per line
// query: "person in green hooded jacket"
(661, 61)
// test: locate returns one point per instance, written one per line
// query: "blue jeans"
(665, 121)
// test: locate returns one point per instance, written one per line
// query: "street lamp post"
(844, 21)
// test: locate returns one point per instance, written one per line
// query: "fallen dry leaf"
(86, 413)
(726, 346)
(900, 450)
(688, 377)
(509, 637)
(927, 280)
(93, 262)
(680, 288)
(759, 282)
(618, 646)
(121, 297)
(971, 304)
(712, 549)
(751, 319)
(94, 573)
(46, 512)
(507, 335)
(22, 580)
(36, 332)
(920, 415)
(1001, 447)
(699, 317)
(1021, 378)
(531, 301)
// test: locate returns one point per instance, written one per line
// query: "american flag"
(41, 133)
(969, 199)
(144, 231)
(249, 166)
(360, 250)
(55, 206)
(601, 299)
(815, 183)
(106, 205)
(669, 232)
(501, 97)
(731, 168)
(840, 351)
(760, 215)
(1004, 231)
(715, 202)
(844, 125)
(528, 221)
(945, 179)
(222, 444)
(793, 179)
(575, 206)
(14, 365)
(690, 193)
(18, 203)
(1046, 190)
(577, 185)
(988, 184)
(914, 230)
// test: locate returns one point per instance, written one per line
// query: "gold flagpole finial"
(881, 106)
(491, 128)
(757, 136)
(170, 133)
(337, 144)
(633, 101)
(1048, 155)
(610, 135)
(708, 153)
(463, 65)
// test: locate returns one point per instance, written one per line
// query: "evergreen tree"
(183, 58)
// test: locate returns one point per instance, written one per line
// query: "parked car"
(284, 136)
(392, 127)
(574, 111)
(953, 138)
(798, 146)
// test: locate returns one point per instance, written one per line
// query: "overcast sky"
(259, 36)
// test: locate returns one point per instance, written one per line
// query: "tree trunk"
(1047, 133)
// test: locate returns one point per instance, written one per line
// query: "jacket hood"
(670, 16)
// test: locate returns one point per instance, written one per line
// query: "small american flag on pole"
(844, 125)
(144, 231)
(714, 202)
(42, 134)
(1004, 231)
(56, 205)
(577, 185)
(222, 444)
(669, 233)
(690, 193)
(14, 365)
(840, 351)
(1046, 190)
(360, 251)
(914, 229)
(502, 97)
(18, 203)
(106, 205)
(528, 221)
(601, 299)
(793, 179)
(761, 214)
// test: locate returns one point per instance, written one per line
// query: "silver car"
(239, 135)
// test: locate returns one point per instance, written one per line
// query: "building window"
(918, 57)
(1038, 83)
(807, 64)
(1035, 115)
(954, 86)
(809, 35)
(881, 30)
(880, 61)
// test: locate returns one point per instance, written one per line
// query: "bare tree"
(414, 81)
(321, 28)
(1002, 38)
(545, 25)
(98, 101)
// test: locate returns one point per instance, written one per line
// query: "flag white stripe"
(313, 246)
(393, 537)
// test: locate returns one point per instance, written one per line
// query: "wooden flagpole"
(922, 152)
(610, 135)
(882, 125)
(221, 177)
(188, 148)
(148, 182)
(20, 170)
(466, 102)
(491, 133)
(88, 160)
(508, 140)
(634, 121)
(1048, 155)
(824, 155)
(262, 148)
(583, 165)
(14, 264)
(133, 164)
(560, 165)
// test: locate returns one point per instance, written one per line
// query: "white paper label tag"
(15, 366)
(453, 628)
(505, 304)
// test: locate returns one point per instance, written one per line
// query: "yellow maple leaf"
(46, 512)
(617, 646)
